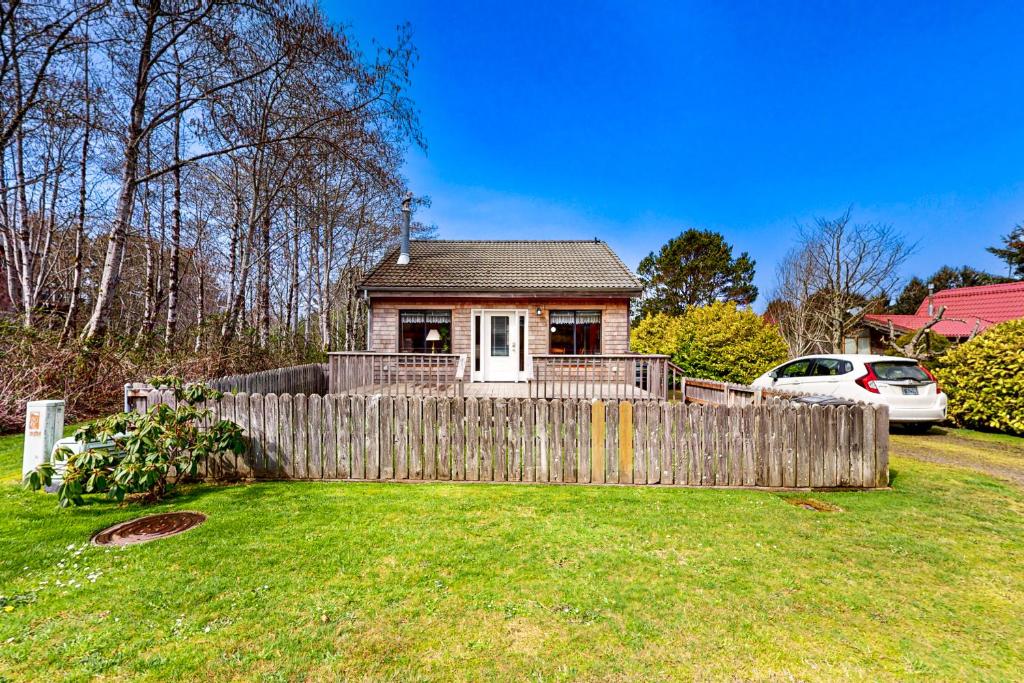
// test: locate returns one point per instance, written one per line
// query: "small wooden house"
(500, 304)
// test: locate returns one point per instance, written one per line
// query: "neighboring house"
(969, 311)
(500, 302)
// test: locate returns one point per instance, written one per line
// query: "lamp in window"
(433, 336)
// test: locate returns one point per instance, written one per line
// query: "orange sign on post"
(35, 427)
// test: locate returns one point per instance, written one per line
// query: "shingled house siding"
(614, 320)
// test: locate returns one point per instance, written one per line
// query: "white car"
(908, 388)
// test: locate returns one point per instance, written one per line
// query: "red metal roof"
(967, 308)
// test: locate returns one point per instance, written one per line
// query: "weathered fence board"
(472, 439)
(272, 443)
(286, 436)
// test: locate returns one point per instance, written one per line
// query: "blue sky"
(634, 121)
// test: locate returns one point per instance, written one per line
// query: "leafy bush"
(984, 379)
(149, 452)
(720, 341)
(658, 333)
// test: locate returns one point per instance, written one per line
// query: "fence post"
(881, 448)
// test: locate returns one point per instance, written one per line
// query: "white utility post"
(44, 426)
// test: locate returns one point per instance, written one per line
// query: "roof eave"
(594, 291)
(884, 325)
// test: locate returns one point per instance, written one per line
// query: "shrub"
(984, 379)
(657, 333)
(150, 451)
(91, 378)
(720, 341)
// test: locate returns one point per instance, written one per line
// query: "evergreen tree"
(1013, 251)
(915, 291)
(695, 269)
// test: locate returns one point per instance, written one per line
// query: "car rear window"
(895, 370)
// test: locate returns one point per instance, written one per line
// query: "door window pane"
(499, 335)
(415, 326)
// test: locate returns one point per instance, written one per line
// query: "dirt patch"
(813, 504)
(149, 528)
(943, 447)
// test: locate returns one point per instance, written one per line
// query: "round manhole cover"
(148, 528)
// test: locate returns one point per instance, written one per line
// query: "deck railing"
(635, 376)
(397, 374)
(614, 376)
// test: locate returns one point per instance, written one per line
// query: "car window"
(897, 370)
(831, 367)
(798, 368)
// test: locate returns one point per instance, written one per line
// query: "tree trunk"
(149, 300)
(172, 277)
(71, 318)
(263, 296)
(99, 320)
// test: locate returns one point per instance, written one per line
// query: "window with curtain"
(415, 326)
(575, 332)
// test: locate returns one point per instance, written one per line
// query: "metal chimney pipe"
(403, 256)
(931, 305)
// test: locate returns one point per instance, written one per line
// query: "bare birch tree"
(236, 165)
(838, 272)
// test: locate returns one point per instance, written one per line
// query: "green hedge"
(720, 341)
(984, 379)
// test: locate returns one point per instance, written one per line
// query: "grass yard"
(315, 581)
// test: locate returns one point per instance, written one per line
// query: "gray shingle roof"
(504, 265)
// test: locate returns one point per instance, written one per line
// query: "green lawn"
(295, 581)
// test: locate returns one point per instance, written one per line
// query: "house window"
(575, 332)
(860, 344)
(415, 326)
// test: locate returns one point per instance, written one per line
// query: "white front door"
(499, 346)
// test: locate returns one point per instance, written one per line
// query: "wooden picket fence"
(297, 379)
(776, 443)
